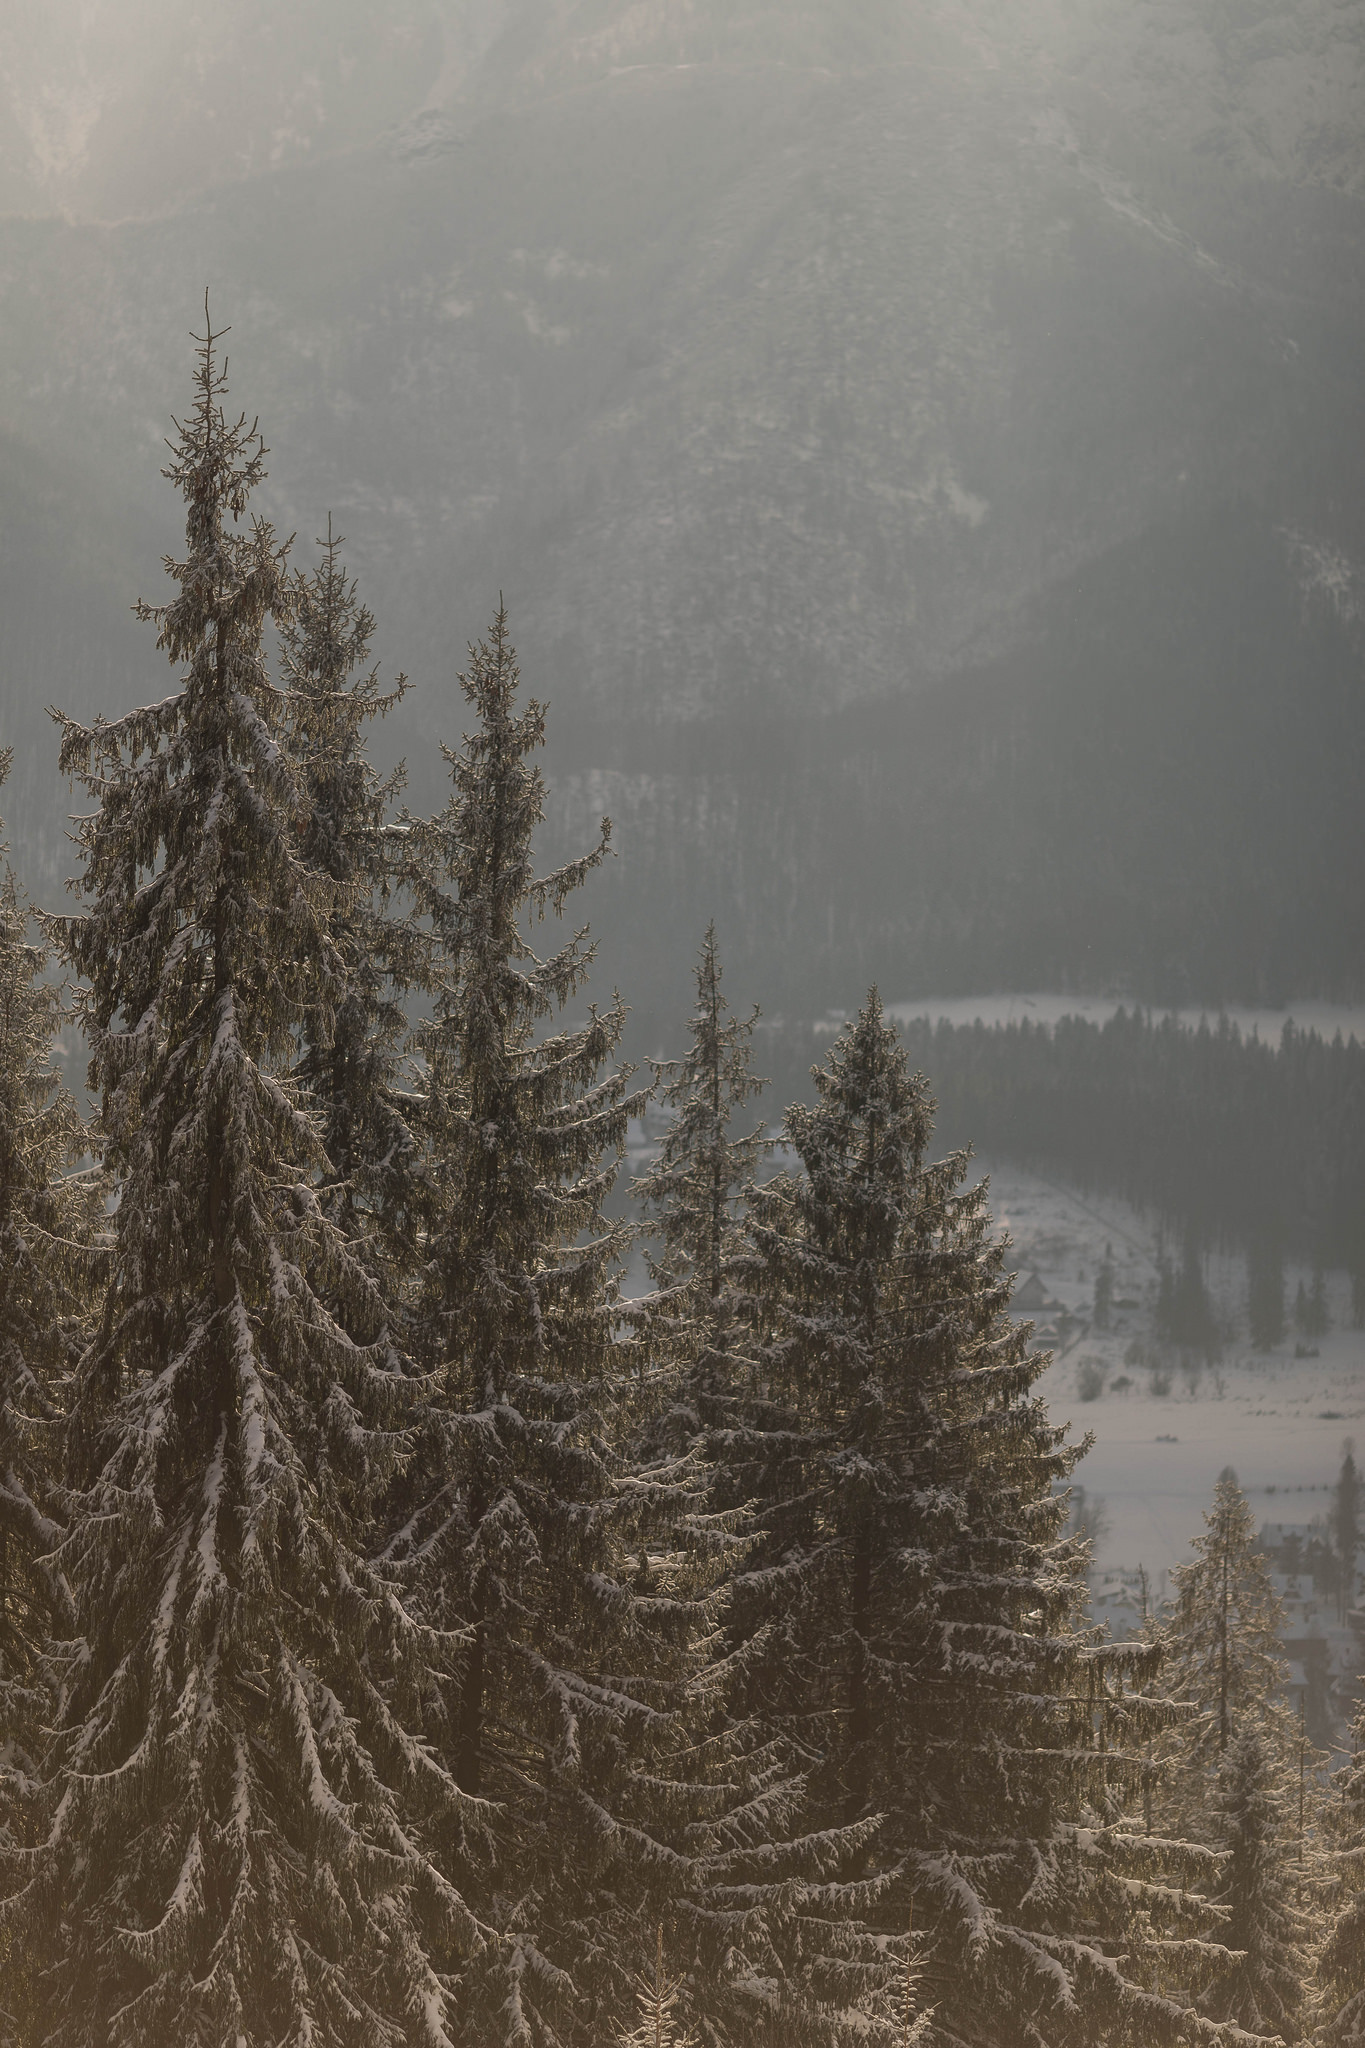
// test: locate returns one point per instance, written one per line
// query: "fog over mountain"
(923, 446)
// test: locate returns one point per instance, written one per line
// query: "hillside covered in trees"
(922, 445)
(407, 1639)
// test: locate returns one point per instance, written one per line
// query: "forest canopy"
(410, 1639)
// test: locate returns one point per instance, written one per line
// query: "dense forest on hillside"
(923, 446)
(1150, 797)
(407, 1639)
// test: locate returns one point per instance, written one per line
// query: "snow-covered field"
(1280, 1421)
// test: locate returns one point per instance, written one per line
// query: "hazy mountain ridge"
(775, 362)
(129, 105)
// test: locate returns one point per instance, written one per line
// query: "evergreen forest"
(409, 1639)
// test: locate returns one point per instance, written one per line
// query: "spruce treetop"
(194, 792)
(862, 1141)
(1225, 1631)
(334, 693)
(351, 1051)
(518, 1253)
(693, 1192)
(701, 1169)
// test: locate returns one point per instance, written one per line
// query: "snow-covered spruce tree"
(692, 1196)
(572, 1589)
(50, 1256)
(588, 1708)
(927, 1654)
(1266, 1880)
(1342, 1965)
(768, 1933)
(49, 1262)
(1223, 1657)
(233, 1804)
(520, 1126)
(352, 1045)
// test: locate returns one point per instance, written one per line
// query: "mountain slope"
(834, 391)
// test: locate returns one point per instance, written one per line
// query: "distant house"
(1033, 1299)
(1301, 1551)
(1288, 1544)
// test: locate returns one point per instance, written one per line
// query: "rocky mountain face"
(921, 445)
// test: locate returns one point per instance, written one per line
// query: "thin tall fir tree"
(1223, 1656)
(236, 1805)
(776, 1923)
(352, 1063)
(693, 1194)
(569, 1579)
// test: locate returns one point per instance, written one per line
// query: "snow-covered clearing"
(1278, 1419)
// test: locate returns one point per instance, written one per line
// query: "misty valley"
(682, 1024)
